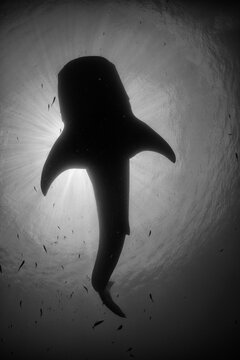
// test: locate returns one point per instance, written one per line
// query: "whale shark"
(101, 134)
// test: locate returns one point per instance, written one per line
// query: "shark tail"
(107, 300)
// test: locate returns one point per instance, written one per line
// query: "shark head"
(90, 87)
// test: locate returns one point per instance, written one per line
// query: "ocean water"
(179, 63)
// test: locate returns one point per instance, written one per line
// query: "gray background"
(179, 63)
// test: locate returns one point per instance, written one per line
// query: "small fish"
(71, 294)
(236, 154)
(150, 295)
(59, 227)
(150, 233)
(150, 318)
(53, 204)
(79, 256)
(21, 265)
(53, 100)
(72, 231)
(20, 303)
(85, 288)
(0, 268)
(62, 267)
(129, 349)
(229, 116)
(120, 327)
(42, 86)
(35, 264)
(35, 188)
(18, 236)
(41, 312)
(17, 138)
(97, 323)
(230, 134)
(48, 107)
(64, 237)
(45, 248)
(221, 250)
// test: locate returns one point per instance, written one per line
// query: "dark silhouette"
(22, 263)
(85, 288)
(53, 100)
(100, 134)
(97, 323)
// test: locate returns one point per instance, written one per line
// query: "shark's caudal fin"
(107, 300)
(143, 138)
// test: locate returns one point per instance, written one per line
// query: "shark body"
(100, 134)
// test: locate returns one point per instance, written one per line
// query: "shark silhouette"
(100, 134)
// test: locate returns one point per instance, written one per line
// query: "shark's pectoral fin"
(58, 160)
(143, 138)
